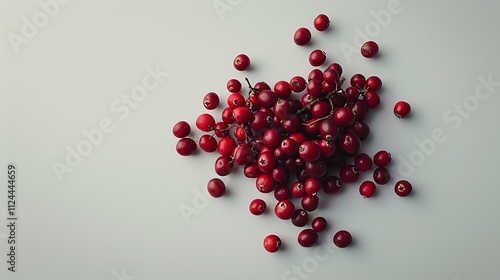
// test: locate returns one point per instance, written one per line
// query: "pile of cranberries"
(296, 139)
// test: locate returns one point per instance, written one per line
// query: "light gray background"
(116, 216)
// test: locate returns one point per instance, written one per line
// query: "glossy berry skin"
(297, 84)
(349, 143)
(402, 109)
(403, 188)
(307, 238)
(208, 143)
(242, 115)
(332, 184)
(211, 101)
(349, 174)
(300, 218)
(381, 176)
(216, 187)
(372, 99)
(235, 100)
(373, 83)
(321, 22)
(363, 162)
(272, 243)
(233, 85)
(310, 202)
(317, 57)
(257, 207)
(309, 151)
(369, 49)
(241, 62)
(284, 209)
(367, 189)
(382, 158)
(282, 89)
(312, 185)
(342, 239)
(302, 36)
(265, 183)
(319, 224)
(181, 129)
(344, 116)
(337, 67)
(224, 165)
(227, 115)
(251, 170)
(205, 122)
(226, 146)
(314, 88)
(358, 80)
(186, 147)
(282, 193)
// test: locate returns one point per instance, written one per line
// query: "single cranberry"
(265, 183)
(227, 115)
(320, 109)
(280, 175)
(216, 187)
(352, 93)
(316, 169)
(337, 67)
(181, 129)
(298, 84)
(372, 99)
(309, 151)
(349, 143)
(369, 49)
(315, 74)
(349, 174)
(344, 116)
(257, 206)
(300, 218)
(360, 109)
(332, 184)
(211, 101)
(312, 185)
(307, 238)
(403, 188)
(363, 162)
(282, 193)
(241, 62)
(186, 147)
(235, 100)
(226, 146)
(367, 189)
(317, 57)
(242, 115)
(251, 170)
(358, 80)
(302, 36)
(329, 129)
(208, 143)
(321, 22)
(310, 202)
(298, 190)
(284, 209)
(272, 243)
(381, 176)
(319, 224)
(402, 109)
(224, 165)
(314, 88)
(331, 77)
(243, 154)
(267, 98)
(272, 138)
(382, 158)
(282, 89)
(373, 83)
(342, 239)
(233, 85)
(361, 129)
(205, 122)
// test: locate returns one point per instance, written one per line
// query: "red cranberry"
(272, 243)
(403, 188)
(257, 206)
(216, 187)
(307, 238)
(342, 239)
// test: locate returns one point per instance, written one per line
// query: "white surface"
(117, 213)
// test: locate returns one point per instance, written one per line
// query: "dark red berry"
(181, 129)
(382, 158)
(342, 239)
(211, 101)
(272, 243)
(317, 57)
(257, 206)
(186, 146)
(402, 109)
(381, 176)
(321, 22)
(307, 238)
(216, 187)
(302, 36)
(319, 224)
(369, 49)
(367, 189)
(241, 62)
(403, 188)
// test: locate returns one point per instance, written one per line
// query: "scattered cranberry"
(300, 218)
(205, 122)
(363, 162)
(302, 36)
(317, 57)
(284, 209)
(186, 147)
(216, 187)
(257, 206)
(181, 129)
(403, 188)
(272, 243)
(402, 109)
(319, 224)
(211, 101)
(307, 238)
(381, 176)
(208, 143)
(369, 49)
(342, 239)
(367, 189)
(241, 62)
(382, 158)
(321, 22)
(233, 85)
